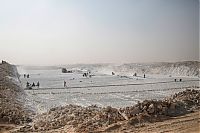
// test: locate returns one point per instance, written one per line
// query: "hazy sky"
(49, 32)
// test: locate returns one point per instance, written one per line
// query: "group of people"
(26, 76)
(3, 62)
(135, 75)
(175, 80)
(29, 85)
(87, 74)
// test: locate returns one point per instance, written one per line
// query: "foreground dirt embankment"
(12, 97)
(141, 117)
(189, 123)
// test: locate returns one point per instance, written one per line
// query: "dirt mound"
(93, 118)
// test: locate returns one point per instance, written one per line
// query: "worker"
(38, 84)
(65, 83)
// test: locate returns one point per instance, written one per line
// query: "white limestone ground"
(103, 89)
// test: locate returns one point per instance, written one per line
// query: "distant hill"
(185, 68)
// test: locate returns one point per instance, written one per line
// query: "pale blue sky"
(50, 32)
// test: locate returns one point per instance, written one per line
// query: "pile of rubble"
(83, 119)
(190, 98)
(92, 118)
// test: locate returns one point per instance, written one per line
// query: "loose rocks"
(85, 119)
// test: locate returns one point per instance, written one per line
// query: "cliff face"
(186, 68)
(12, 96)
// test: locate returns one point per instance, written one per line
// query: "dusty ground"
(5, 128)
(189, 123)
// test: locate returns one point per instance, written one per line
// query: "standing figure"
(64, 83)
(144, 76)
(38, 84)
(135, 74)
(24, 75)
(85, 74)
(27, 84)
(28, 76)
(33, 85)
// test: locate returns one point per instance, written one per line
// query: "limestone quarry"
(15, 109)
